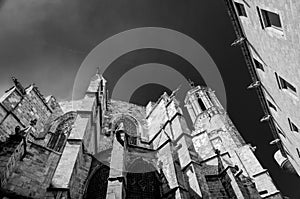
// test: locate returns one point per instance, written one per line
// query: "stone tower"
(100, 148)
(215, 131)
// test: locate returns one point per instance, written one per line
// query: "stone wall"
(18, 110)
(64, 150)
(277, 49)
(31, 177)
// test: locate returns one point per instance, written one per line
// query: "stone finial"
(98, 70)
(192, 84)
(18, 85)
(175, 91)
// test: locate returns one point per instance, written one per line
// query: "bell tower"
(199, 99)
(214, 131)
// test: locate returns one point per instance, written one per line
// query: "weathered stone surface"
(118, 150)
(277, 49)
(63, 172)
(157, 119)
(214, 130)
(10, 99)
(164, 156)
(79, 128)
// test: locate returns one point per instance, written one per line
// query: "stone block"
(9, 124)
(166, 161)
(63, 172)
(157, 119)
(79, 128)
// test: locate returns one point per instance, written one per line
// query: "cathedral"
(100, 148)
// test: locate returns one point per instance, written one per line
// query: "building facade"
(269, 35)
(102, 148)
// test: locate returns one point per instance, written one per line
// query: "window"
(263, 192)
(271, 105)
(293, 127)
(102, 89)
(240, 9)
(280, 132)
(286, 85)
(298, 152)
(269, 19)
(258, 65)
(283, 84)
(201, 104)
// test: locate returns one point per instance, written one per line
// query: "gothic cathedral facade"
(100, 148)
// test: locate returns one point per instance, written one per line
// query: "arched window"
(142, 182)
(62, 128)
(97, 183)
(130, 128)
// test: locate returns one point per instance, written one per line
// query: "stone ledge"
(260, 173)
(64, 170)
(79, 129)
(272, 194)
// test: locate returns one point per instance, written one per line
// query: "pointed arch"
(59, 130)
(96, 184)
(131, 124)
(141, 183)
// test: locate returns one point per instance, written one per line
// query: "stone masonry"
(102, 148)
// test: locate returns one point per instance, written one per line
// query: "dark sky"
(45, 42)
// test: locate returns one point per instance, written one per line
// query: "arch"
(131, 123)
(130, 127)
(59, 131)
(96, 184)
(141, 183)
(71, 115)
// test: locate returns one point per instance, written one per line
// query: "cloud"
(36, 43)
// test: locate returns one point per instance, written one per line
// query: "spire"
(192, 84)
(175, 91)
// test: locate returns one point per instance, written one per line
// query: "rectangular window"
(283, 84)
(240, 9)
(263, 192)
(258, 65)
(101, 86)
(271, 105)
(269, 19)
(286, 85)
(293, 127)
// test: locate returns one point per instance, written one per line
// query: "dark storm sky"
(45, 42)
